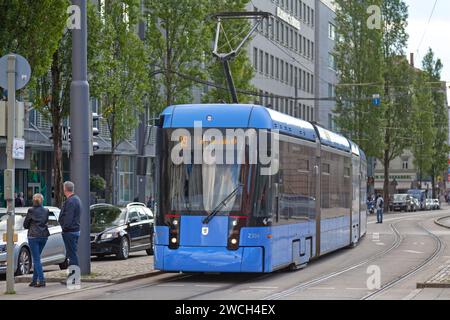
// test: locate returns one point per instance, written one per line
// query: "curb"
(98, 280)
(433, 285)
(437, 221)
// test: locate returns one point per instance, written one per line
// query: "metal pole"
(234, 96)
(9, 177)
(80, 118)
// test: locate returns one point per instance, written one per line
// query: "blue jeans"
(36, 247)
(380, 215)
(71, 243)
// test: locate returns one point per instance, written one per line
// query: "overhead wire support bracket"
(226, 57)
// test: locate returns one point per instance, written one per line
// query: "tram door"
(356, 179)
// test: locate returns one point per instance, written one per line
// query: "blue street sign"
(376, 101)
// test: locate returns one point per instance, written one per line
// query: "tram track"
(398, 240)
(313, 282)
(430, 259)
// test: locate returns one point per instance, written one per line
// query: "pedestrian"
(36, 223)
(380, 208)
(150, 202)
(19, 201)
(69, 219)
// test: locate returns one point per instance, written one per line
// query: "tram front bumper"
(209, 259)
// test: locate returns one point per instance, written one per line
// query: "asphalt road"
(407, 248)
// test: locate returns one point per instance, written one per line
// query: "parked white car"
(437, 204)
(54, 250)
(429, 204)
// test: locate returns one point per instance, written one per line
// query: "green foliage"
(32, 29)
(438, 115)
(359, 60)
(97, 183)
(120, 78)
(176, 40)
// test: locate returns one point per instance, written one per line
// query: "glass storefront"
(126, 177)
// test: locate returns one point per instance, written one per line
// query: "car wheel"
(24, 262)
(64, 265)
(124, 249)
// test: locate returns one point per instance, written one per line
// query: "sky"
(437, 32)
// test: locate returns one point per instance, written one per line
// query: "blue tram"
(242, 215)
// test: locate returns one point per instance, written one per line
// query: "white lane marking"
(322, 288)
(379, 243)
(359, 289)
(207, 285)
(412, 251)
(170, 285)
(412, 295)
(263, 288)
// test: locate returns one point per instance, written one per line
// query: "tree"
(398, 77)
(439, 117)
(176, 39)
(234, 32)
(121, 82)
(359, 62)
(423, 130)
(52, 92)
(32, 29)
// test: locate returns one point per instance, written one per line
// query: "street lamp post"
(80, 118)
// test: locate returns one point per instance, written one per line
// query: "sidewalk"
(104, 272)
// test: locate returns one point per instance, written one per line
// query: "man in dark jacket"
(69, 219)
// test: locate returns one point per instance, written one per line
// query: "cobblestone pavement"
(107, 269)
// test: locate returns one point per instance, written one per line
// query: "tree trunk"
(433, 187)
(57, 163)
(386, 163)
(111, 197)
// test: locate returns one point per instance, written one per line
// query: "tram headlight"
(173, 240)
(233, 241)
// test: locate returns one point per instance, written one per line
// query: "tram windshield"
(201, 187)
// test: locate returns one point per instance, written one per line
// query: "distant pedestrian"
(36, 223)
(380, 208)
(69, 219)
(150, 202)
(19, 201)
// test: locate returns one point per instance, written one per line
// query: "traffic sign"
(23, 72)
(376, 101)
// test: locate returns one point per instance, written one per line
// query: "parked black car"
(119, 231)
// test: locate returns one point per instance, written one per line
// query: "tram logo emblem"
(205, 231)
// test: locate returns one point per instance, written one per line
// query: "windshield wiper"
(221, 204)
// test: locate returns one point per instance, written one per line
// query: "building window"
(330, 121)
(296, 41)
(286, 72)
(271, 66)
(405, 163)
(277, 75)
(266, 70)
(126, 179)
(312, 17)
(291, 75)
(282, 70)
(330, 90)
(331, 31)
(255, 58)
(312, 50)
(331, 61)
(304, 12)
(282, 32)
(261, 61)
(271, 28)
(277, 30)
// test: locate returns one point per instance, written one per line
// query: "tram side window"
(297, 201)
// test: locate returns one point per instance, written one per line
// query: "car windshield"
(18, 225)
(400, 197)
(107, 216)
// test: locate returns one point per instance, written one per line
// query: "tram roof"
(236, 116)
(332, 139)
